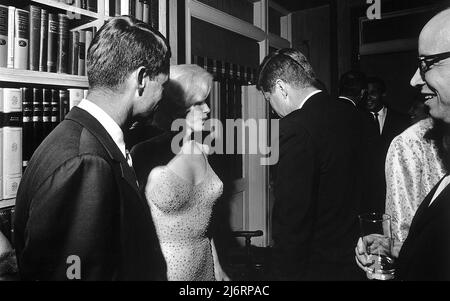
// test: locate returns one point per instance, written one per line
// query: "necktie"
(377, 122)
(128, 157)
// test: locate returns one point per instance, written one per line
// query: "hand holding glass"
(377, 242)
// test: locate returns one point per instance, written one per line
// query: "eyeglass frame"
(425, 62)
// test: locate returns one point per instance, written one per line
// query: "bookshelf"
(7, 203)
(70, 8)
(80, 19)
(250, 33)
(27, 77)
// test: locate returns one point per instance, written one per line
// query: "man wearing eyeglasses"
(425, 254)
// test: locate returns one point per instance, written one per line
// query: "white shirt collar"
(106, 121)
(381, 112)
(346, 98)
(308, 97)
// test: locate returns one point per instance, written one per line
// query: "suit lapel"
(93, 125)
(425, 212)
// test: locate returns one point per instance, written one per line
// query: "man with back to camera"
(318, 189)
(78, 202)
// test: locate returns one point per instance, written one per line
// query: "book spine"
(12, 142)
(77, 3)
(82, 54)
(52, 45)
(37, 118)
(11, 17)
(117, 8)
(3, 36)
(21, 36)
(89, 36)
(1, 143)
(46, 112)
(132, 8)
(146, 11)
(75, 96)
(63, 44)
(35, 29)
(55, 108)
(43, 41)
(92, 5)
(63, 104)
(139, 9)
(84, 4)
(74, 39)
(27, 110)
(154, 13)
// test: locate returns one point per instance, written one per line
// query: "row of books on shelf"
(28, 115)
(37, 40)
(143, 10)
(90, 5)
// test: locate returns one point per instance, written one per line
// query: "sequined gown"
(181, 212)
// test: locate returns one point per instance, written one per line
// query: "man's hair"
(352, 83)
(377, 82)
(120, 47)
(186, 85)
(287, 64)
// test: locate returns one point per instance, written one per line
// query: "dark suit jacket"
(317, 192)
(395, 123)
(425, 254)
(78, 196)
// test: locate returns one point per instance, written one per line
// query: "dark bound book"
(74, 39)
(43, 41)
(82, 53)
(63, 44)
(37, 118)
(52, 45)
(84, 4)
(27, 109)
(46, 112)
(55, 108)
(3, 36)
(132, 7)
(92, 5)
(35, 31)
(64, 105)
(154, 14)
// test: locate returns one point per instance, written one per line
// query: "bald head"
(435, 36)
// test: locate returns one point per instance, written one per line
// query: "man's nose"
(206, 109)
(417, 80)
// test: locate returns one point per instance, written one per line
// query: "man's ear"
(141, 72)
(280, 84)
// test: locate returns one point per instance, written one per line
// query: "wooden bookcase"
(16, 77)
(249, 207)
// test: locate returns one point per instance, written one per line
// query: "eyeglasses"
(426, 61)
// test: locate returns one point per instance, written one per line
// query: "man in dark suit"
(387, 124)
(317, 191)
(425, 254)
(79, 212)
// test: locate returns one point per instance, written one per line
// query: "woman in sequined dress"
(180, 186)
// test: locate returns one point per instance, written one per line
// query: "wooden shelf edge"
(68, 8)
(7, 203)
(216, 17)
(42, 78)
